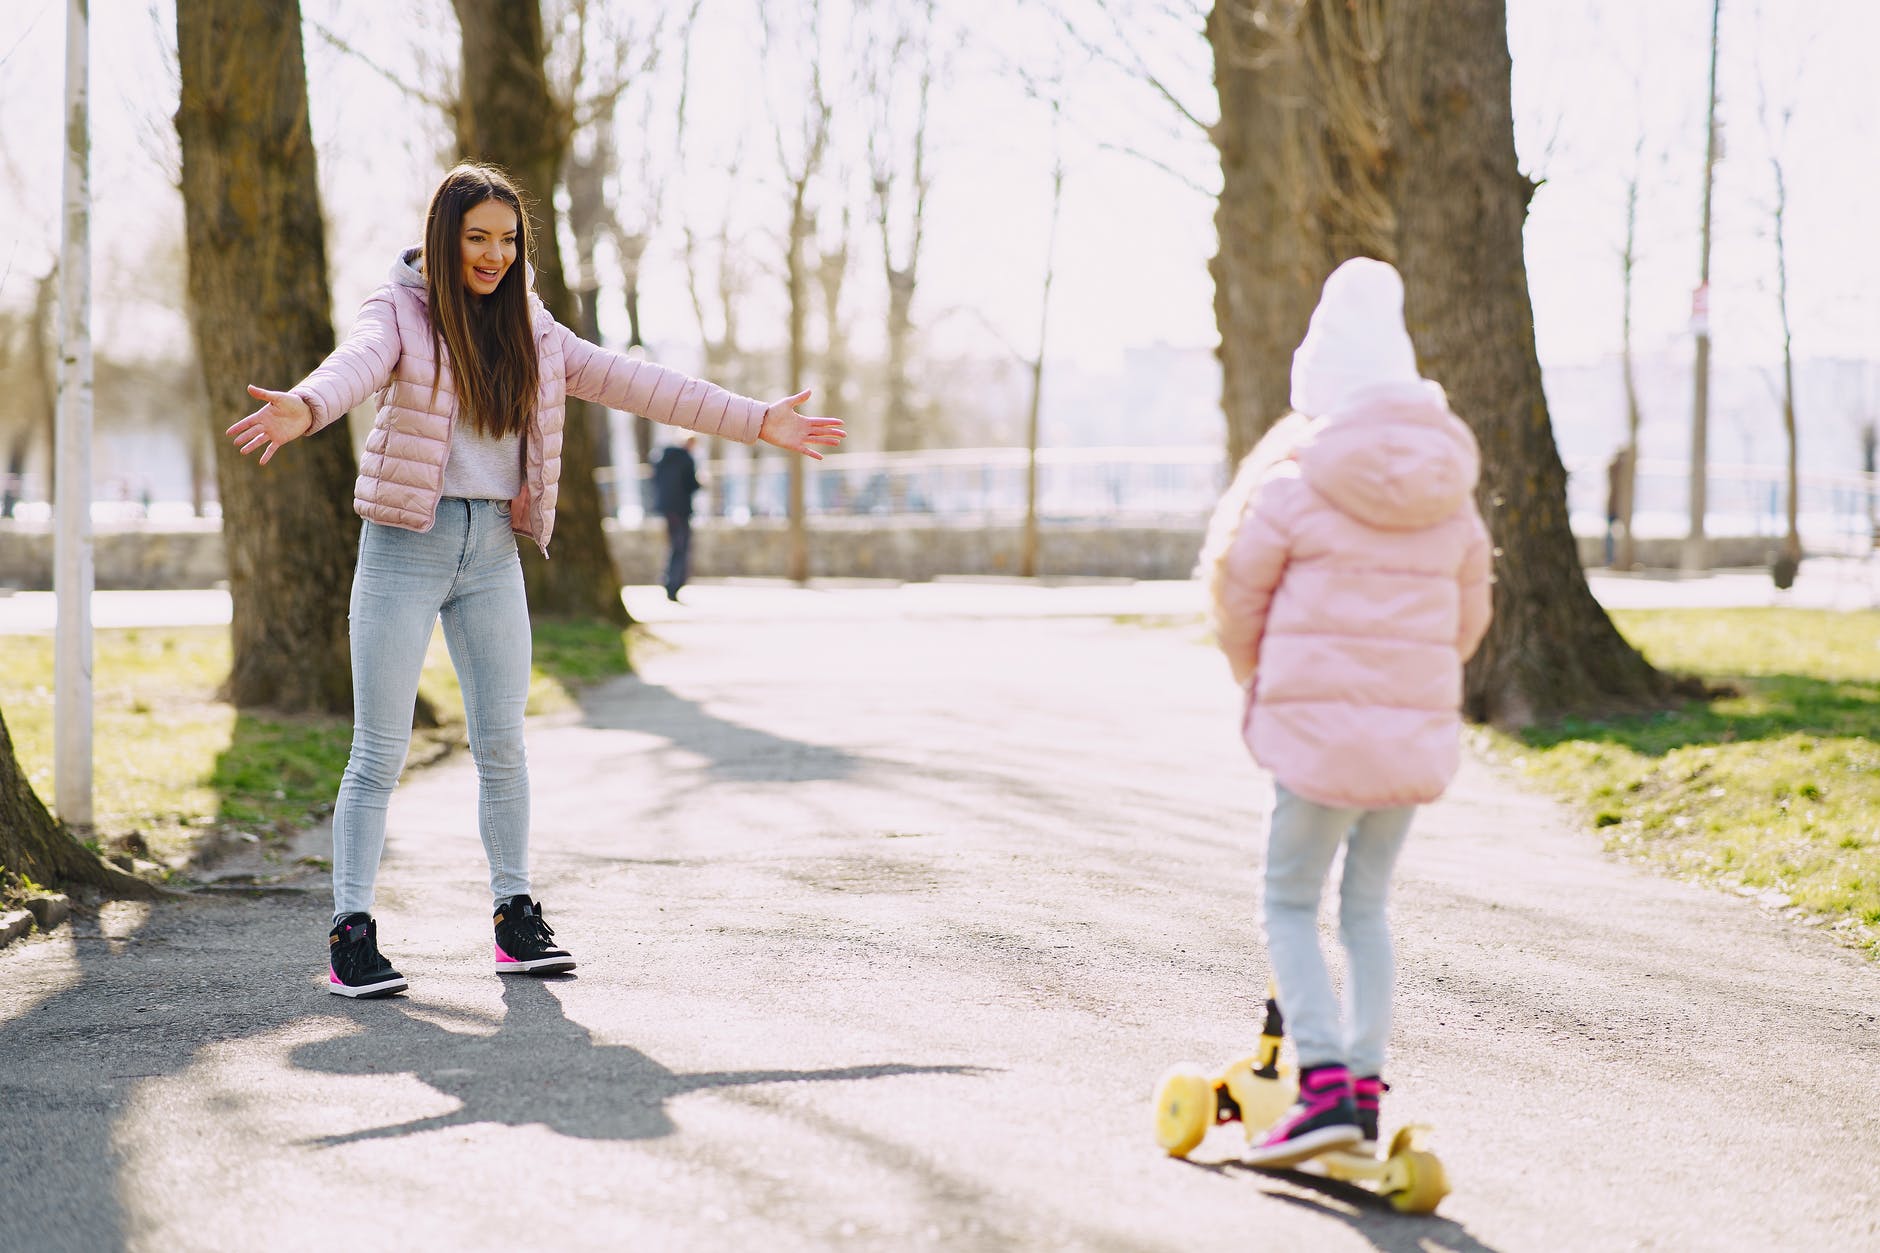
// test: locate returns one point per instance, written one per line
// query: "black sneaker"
(1367, 1096)
(1323, 1118)
(356, 968)
(523, 940)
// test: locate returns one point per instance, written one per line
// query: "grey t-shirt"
(482, 468)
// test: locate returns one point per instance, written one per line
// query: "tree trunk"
(1790, 559)
(41, 344)
(508, 119)
(1252, 229)
(1384, 128)
(1461, 203)
(1624, 550)
(802, 226)
(589, 214)
(1305, 146)
(900, 432)
(34, 846)
(261, 313)
(831, 272)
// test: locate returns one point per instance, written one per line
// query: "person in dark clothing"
(675, 480)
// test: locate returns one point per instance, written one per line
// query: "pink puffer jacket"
(1356, 585)
(401, 473)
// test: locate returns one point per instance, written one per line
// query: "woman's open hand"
(786, 428)
(282, 420)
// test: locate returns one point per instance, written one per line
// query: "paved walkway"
(1824, 583)
(892, 903)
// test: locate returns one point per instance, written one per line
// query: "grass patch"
(1773, 791)
(170, 760)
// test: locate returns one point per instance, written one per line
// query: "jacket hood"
(1392, 456)
(1356, 339)
(405, 271)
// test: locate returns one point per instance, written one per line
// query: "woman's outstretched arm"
(356, 369)
(637, 386)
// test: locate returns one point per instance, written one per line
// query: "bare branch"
(1200, 189)
(447, 106)
(1133, 64)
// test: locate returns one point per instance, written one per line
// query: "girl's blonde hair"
(1277, 445)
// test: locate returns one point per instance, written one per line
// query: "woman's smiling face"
(489, 245)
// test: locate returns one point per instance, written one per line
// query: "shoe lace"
(534, 928)
(361, 946)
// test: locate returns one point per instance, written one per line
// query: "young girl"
(472, 376)
(1349, 574)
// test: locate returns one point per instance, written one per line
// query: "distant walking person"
(1349, 571)
(1618, 499)
(472, 376)
(675, 481)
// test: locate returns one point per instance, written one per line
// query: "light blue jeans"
(465, 570)
(1300, 847)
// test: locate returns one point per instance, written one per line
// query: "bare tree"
(800, 156)
(1624, 550)
(585, 180)
(509, 118)
(832, 270)
(902, 31)
(1775, 131)
(28, 388)
(1028, 548)
(716, 300)
(606, 202)
(260, 312)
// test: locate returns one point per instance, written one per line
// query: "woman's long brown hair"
(490, 342)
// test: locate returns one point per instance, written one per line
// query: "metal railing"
(1834, 510)
(965, 486)
(1173, 485)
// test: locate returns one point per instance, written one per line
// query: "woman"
(472, 376)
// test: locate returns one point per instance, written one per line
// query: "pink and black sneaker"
(524, 940)
(1322, 1118)
(355, 967)
(1367, 1097)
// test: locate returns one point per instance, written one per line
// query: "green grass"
(1773, 790)
(170, 760)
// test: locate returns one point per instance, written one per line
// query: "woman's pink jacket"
(401, 472)
(1352, 592)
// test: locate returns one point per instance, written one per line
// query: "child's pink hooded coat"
(1354, 582)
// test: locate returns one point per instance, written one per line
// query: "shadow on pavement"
(539, 1067)
(1366, 1213)
(735, 753)
(144, 1004)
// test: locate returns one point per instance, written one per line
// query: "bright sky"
(1591, 77)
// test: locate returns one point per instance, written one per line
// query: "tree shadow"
(500, 1078)
(143, 1004)
(1764, 707)
(733, 752)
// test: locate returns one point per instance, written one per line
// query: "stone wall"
(137, 559)
(905, 549)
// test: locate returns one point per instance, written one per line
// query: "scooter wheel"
(1420, 1183)
(1184, 1110)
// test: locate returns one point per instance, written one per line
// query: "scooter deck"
(1408, 1176)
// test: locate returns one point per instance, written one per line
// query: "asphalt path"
(891, 906)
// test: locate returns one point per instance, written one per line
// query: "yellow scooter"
(1256, 1091)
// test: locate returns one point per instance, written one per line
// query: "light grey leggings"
(1300, 847)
